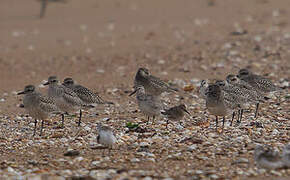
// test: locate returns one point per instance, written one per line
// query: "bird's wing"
(47, 104)
(88, 96)
(158, 82)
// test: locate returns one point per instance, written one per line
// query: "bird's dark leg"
(42, 122)
(241, 115)
(224, 119)
(234, 113)
(256, 112)
(153, 119)
(43, 8)
(80, 118)
(35, 124)
(62, 120)
(167, 123)
(216, 122)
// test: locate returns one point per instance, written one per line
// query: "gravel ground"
(101, 45)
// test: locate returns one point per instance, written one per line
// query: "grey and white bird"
(148, 104)
(38, 106)
(152, 85)
(286, 156)
(65, 98)
(220, 103)
(87, 96)
(259, 83)
(203, 88)
(267, 158)
(106, 136)
(175, 113)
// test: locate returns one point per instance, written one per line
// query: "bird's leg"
(35, 124)
(234, 113)
(153, 119)
(80, 118)
(256, 112)
(62, 120)
(167, 123)
(241, 115)
(42, 122)
(43, 7)
(148, 119)
(224, 122)
(216, 122)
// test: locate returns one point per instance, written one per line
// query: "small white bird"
(106, 136)
(267, 158)
(286, 156)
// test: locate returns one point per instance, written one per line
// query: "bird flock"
(222, 98)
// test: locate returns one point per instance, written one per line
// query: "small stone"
(241, 160)
(95, 163)
(192, 148)
(214, 176)
(135, 160)
(71, 152)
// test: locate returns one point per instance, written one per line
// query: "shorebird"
(149, 105)
(106, 136)
(65, 98)
(259, 83)
(175, 113)
(242, 97)
(151, 84)
(286, 156)
(267, 158)
(87, 96)
(37, 105)
(220, 103)
(203, 88)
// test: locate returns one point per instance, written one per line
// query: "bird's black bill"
(45, 84)
(186, 111)
(21, 93)
(133, 93)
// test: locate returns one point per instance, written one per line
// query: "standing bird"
(267, 158)
(65, 98)
(286, 156)
(149, 105)
(106, 136)
(220, 103)
(175, 113)
(87, 96)
(242, 97)
(37, 105)
(151, 84)
(259, 83)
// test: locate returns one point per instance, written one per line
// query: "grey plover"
(259, 83)
(242, 97)
(151, 84)
(286, 156)
(65, 98)
(255, 96)
(267, 158)
(38, 106)
(175, 113)
(106, 136)
(220, 103)
(87, 96)
(148, 104)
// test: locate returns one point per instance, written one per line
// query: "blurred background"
(102, 42)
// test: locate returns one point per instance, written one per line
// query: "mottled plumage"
(37, 105)
(203, 89)
(149, 105)
(65, 98)
(106, 136)
(175, 113)
(267, 158)
(220, 103)
(151, 84)
(86, 95)
(258, 82)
